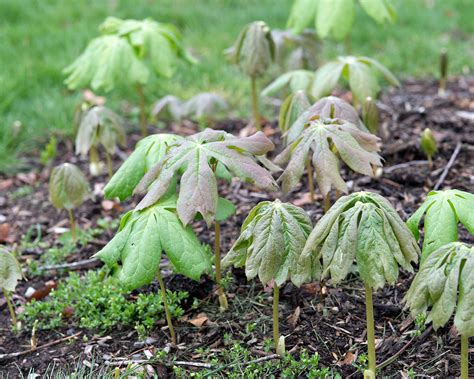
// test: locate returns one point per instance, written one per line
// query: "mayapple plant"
(366, 228)
(370, 115)
(291, 109)
(135, 252)
(68, 188)
(270, 243)
(360, 72)
(99, 126)
(428, 145)
(302, 49)
(297, 80)
(10, 274)
(128, 51)
(253, 52)
(330, 140)
(445, 284)
(442, 211)
(335, 18)
(196, 159)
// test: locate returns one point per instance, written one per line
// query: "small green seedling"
(68, 188)
(291, 109)
(366, 228)
(428, 145)
(335, 18)
(99, 126)
(443, 71)
(128, 51)
(135, 252)
(370, 115)
(443, 211)
(297, 80)
(49, 152)
(360, 72)
(197, 159)
(271, 240)
(253, 52)
(10, 274)
(148, 152)
(331, 140)
(445, 283)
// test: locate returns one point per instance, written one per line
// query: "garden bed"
(316, 317)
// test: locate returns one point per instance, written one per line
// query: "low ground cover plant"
(365, 228)
(271, 240)
(444, 284)
(10, 274)
(68, 189)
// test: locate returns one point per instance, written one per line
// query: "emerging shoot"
(443, 71)
(428, 145)
(370, 115)
(10, 274)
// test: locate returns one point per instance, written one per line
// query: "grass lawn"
(40, 37)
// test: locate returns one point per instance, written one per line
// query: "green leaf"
(225, 209)
(198, 187)
(380, 10)
(292, 108)
(68, 187)
(297, 80)
(428, 143)
(326, 78)
(302, 15)
(363, 82)
(334, 18)
(137, 247)
(10, 271)
(148, 152)
(271, 240)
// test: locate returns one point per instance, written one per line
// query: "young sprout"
(366, 228)
(253, 52)
(370, 115)
(270, 243)
(443, 71)
(330, 140)
(335, 18)
(297, 80)
(428, 145)
(99, 126)
(445, 283)
(68, 188)
(10, 274)
(443, 211)
(196, 159)
(128, 51)
(360, 72)
(135, 252)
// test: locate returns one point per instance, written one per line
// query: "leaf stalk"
(369, 310)
(217, 253)
(72, 221)
(276, 300)
(165, 305)
(10, 306)
(141, 97)
(464, 357)
(255, 111)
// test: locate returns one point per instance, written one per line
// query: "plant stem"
(369, 311)
(110, 169)
(276, 300)
(430, 162)
(10, 306)
(255, 111)
(165, 305)
(348, 44)
(326, 203)
(309, 170)
(464, 357)
(217, 253)
(72, 221)
(141, 96)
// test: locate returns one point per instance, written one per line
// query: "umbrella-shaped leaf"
(144, 235)
(335, 18)
(297, 80)
(10, 271)
(326, 137)
(361, 227)
(196, 156)
(443, 210)
(148, 152)
(381, 11)
(271, 240)
(68, 187)
(168, 108)
(445, 283)
(302, 15)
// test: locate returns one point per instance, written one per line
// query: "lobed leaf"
(10, 271)
(335, 18)
(291, 109)
(68, 187)
(381, 11)
(296, 80)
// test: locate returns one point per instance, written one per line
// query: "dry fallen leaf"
(348, 359)
(294, 318)
(5, 184)
(200, 320)
(5, 233)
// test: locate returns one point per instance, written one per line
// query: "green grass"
(39, 38)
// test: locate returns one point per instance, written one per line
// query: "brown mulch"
(317, 317)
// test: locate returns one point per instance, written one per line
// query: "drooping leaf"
(10, 271)
(100, 126)
(254, 49)
(143, 236)
(297, 80)
(443, 210)
(445, 283)
(370, 115)
(361, 74)
(381, 11)
(106, 61)
(271, 240)
(302, 15)
(168, 108)
(198, 187)
(361, 227)
(334, 18)
(205, 104)
(326, 137)
(148, 152)
(68, 187)
(292, 108)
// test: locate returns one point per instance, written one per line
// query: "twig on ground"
(448, 166)
(405, 165)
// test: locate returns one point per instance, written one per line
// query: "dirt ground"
(318, 317)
